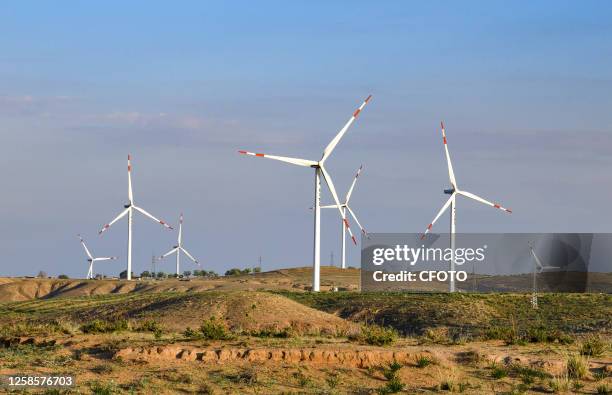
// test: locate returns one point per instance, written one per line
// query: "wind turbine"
(129, 211)
(320, 170)
(344, 207)
(179, 247)
(452, 202)
(91, 259)
(539, 268)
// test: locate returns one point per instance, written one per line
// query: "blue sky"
(524, 88)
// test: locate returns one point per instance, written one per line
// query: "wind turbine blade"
(356, 220)
(332, 189)
(442, 210)
(330, 147)
(350, 192)
(180, 233)
(189, 255)
(117, 218)
(105, 258)
(172, 251)
(293, 161)
(130, 195)
(537, 260)
(451, 173)
(152, 217)
(328, 206)
(481, 200)
(85, 247)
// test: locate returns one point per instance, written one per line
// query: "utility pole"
(260, 263)
(331, 259)
(153, 260)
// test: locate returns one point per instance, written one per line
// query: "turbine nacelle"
(127, 205)
(449, 191)
(320, 171)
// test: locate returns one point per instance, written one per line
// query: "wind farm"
(333, 266)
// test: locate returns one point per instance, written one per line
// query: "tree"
(161, 275)
(256, 270)
(233, 272)
(63, 276)
(187, 273)
(123, 274)
(145, 274)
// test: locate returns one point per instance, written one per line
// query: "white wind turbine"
(319, 168)
(179, 247)
(129, 211)
(91, 259)
(538, 267)
(345, 206)
(452, 202)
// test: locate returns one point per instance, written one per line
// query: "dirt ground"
(265, 335)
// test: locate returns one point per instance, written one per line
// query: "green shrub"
(394, 385)
(212, 329)
(192, 333)
(375, 335)
(104, 326)
(391, 372)
(149, 326)
(422, 361)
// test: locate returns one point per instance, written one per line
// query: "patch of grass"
(577, 386)
(247, 376)
(302, 380)
(105, 326)
(98, 388)
(393, 386)
(192, 333)
(332, 380)
(448, 385)
(284, 333)
(148, 326)
(559, 384)
(577, 366)
(436, 335)
(469, 357)
(603, 389)
(213, 329)
(512, 335)
(498, 372)
(593, 346)
(390, 372)
(375, 335)
(422, 361)
(103, 369)
(600, 374)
